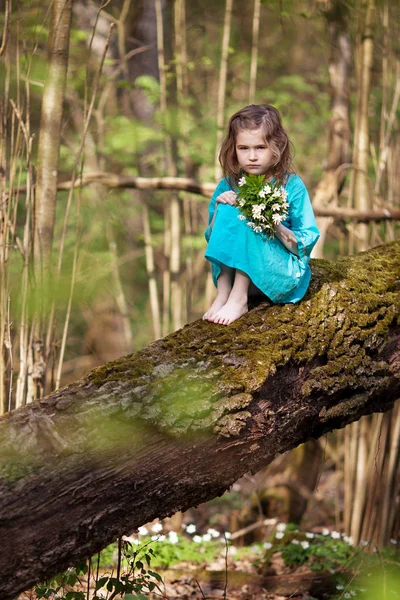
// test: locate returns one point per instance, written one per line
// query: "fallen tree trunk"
(177, 423)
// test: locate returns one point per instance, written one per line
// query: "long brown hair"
(252, 117)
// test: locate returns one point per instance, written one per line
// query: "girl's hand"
(227, 198)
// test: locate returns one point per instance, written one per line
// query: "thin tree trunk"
(254, 51)
(328, 189)
(151, 274)
(172, 293)
(362, 192)
(222, 84)
(46, 187)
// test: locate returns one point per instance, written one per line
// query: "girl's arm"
(287, 238)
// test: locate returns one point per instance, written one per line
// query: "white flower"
(340, 587)
(277, 219)
(310, 536)
(258, 229)
(173, 537)
(232, 550)
(191, 528)
(267, 545)
(305, 545)
(242, 181)
(256, 210)
(325, 531)
(335, 535)
(242, 217)
(393, 541)
(262, 206)
(295, 542)
(251, 224)
(279, 535)
(157, 527)
(197, 539)
(161, 538)
(227, 535)
(267, 188)
(206, 537)
(283, 193)
(364, 543)
(213, 532)
(143, 531)
(281, 527)
(348, 539)
(346, 595)
(262, 193)
(242, 202)
(276, 206)
(131, 540)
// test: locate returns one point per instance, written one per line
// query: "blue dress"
(275, 271)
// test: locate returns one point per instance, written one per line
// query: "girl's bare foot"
(231, 311)
(218, 303)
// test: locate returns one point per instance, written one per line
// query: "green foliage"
(135, 582)
(150, 87)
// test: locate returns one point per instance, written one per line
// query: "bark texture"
(177, 423)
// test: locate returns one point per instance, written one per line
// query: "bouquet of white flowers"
(261, 204)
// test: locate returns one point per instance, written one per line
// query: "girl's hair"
(253, 117)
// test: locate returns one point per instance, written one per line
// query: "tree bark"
(177, 423)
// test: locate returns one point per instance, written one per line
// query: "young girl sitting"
(241, 259)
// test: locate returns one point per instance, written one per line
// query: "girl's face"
(253, 154)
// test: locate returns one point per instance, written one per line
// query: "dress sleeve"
(222, 186)
(302, 219)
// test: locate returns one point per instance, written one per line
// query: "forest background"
(122, 261)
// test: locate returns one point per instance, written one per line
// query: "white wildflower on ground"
(173, 537)
(143, 531)
(279, 535)
(157, 527)
(295, 542)
(132, 540)
(213, 532)
(305, 545)
(364, 543)
(393, 541)
(340, 587)
(310, 535)
(267, 545)
(281, 527)
(325, 531)
(348, 539)
(335, 535)
(227, 535)
(191, 528)
(197, 539)
(206, 537)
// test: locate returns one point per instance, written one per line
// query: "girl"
(240, 258)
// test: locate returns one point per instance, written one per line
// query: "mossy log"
(175, 424)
